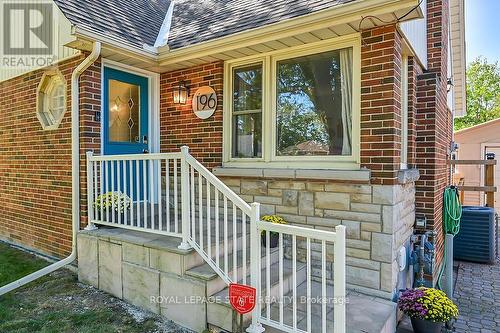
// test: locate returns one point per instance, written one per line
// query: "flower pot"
(273, 239)
(426, 326)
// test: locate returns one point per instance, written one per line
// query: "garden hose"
(452, 213)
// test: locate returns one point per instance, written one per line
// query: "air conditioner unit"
(477, 239)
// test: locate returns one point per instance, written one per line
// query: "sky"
(482, 29)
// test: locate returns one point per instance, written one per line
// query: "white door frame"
(153, 101)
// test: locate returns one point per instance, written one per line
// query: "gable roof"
(138, 22)
(135, 22)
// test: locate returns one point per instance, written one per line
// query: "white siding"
(415, 32)
(63, 36)
(458, 56)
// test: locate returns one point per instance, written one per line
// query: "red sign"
(242, 297)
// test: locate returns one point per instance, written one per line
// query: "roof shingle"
(138, 22)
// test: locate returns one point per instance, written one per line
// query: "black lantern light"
(181, 93)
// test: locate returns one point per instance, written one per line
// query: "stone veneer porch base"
(139, 267)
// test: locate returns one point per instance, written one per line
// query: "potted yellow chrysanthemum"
(273, 236)
(428, 309)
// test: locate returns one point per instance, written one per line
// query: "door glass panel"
(124, 112)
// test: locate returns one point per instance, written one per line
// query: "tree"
(483, 93)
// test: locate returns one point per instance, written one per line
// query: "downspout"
(75, 174)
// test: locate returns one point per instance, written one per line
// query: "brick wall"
(414, 70)
(35, 165)
(381, 103)
(434, 122)
(179, 125)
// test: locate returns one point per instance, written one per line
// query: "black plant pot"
(426, 326)
(273, 239)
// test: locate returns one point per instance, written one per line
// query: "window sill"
(408, 176)
(362, 175)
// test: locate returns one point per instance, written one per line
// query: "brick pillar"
(381, 103)
(434, 130)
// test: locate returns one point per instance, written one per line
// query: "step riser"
(217, 284)
(219, 313)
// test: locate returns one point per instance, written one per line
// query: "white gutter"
(75, 174)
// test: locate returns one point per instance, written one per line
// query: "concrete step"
(220, 312)
(214, 282)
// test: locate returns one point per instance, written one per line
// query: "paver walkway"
(477, 294)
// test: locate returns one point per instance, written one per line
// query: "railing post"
(339, 283)
(186, 223)
(255, 327)
(90, 189)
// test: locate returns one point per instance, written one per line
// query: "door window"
(124, 112)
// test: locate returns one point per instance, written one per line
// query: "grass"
(58, 303)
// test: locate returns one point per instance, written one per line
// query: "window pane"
(247, 135)
(247, 112)
(314, 104)
(123, 111)
(247, 88)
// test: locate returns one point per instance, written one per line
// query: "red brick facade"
(434, 129)
(179, 125)
(381, 103)
(35, 165)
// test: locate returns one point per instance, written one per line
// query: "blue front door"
(125, 130)
(125, 106)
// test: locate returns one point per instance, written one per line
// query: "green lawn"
(58, 303)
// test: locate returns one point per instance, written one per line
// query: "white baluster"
(160, 199)
(217, 250)
(209, 225)
(339, 283)
(176, 198)
(309, 314)
(185, 199)
(226, 249)
(255, 266)
(235, 246)
(119, 189)
(145, 189)
(138, 190)
(90, 190)
(323, 285)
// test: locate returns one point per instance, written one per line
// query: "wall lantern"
(181, 93)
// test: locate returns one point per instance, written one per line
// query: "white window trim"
(404, 113)
(269, 60)
(47, 82)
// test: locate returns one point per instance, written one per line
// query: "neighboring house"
(326, 112)
(474, 143)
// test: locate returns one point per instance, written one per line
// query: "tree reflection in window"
(247, 112)
(314, 111)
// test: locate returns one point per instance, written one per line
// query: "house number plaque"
(204, 102)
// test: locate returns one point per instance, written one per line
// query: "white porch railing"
(315, 306)
(175, 195)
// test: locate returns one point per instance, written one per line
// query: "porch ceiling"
(268, 40)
